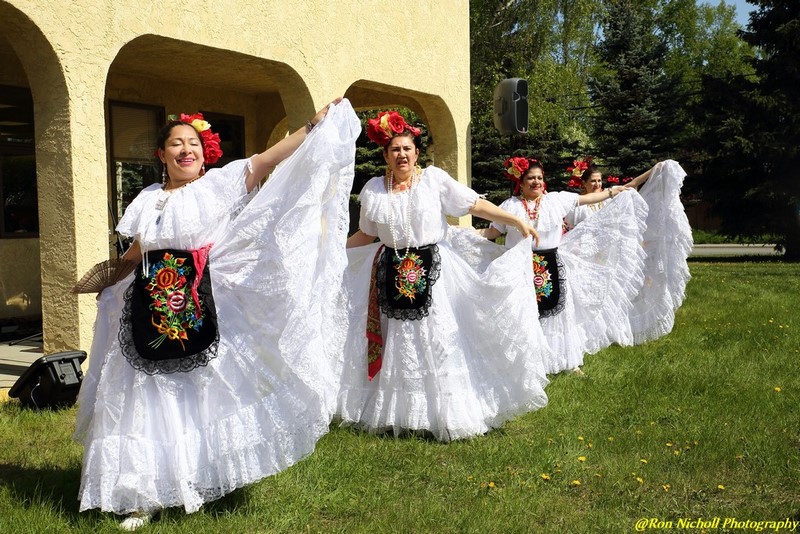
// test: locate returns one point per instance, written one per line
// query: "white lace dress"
(667, 243)
(184, 438)
(475, 360)
(601, 265)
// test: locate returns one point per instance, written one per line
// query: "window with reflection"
(133, 132)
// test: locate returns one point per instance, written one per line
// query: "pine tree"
(630, 90)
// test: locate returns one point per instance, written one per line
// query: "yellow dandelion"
(739, 457)
(776, 389)
(544, 476)
(720, 487)
(598, 475)
(669, 444)
(640, 480)
(610, 438)
(589, 445)
(469, 477)
(581, 458)
(638, 432)
(491, 484)
(666, 487)
(550, 441)
(580, 438)
(575, 483)
(643, 460)
(676, 452)
(696, 443)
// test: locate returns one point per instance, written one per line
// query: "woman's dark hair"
(589, 172)
(534, 164)
(163, 133)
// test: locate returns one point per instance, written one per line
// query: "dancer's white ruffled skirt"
(182, 439)
(602, 261)
(667, 243)
(603, 270)
(473, 363)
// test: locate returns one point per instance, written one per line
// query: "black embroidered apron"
(547, 281)
(405, 285)
(169, 323)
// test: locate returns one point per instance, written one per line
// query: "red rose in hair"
(211, 150)
(396, 122)
(386, 125)
(575, 182)
(515, 167)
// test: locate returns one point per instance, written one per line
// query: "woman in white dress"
(434, 345)
(591, 181)
(583, 278)
(667, 242)
(210, 365)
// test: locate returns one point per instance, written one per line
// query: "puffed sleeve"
(129, 222)
(456, 198)
(228, 183)
(368, 201)
(566, 200)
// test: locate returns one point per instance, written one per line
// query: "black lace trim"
(420, 309)
(560, 304)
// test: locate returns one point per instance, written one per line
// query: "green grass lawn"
(702, 423)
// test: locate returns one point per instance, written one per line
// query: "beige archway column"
(70, 168)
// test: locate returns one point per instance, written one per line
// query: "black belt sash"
(547, 281)
(169, 323)
(405, 285)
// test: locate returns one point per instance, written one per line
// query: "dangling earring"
(202, 169)
(164, 176)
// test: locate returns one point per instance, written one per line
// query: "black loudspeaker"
(511, 106)
(51, 381)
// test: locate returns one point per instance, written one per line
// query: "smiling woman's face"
(182, 154)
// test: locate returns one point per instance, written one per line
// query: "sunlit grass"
(701, 423)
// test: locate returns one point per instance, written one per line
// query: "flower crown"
(211, 150)
(576, 172)
(514, 168)
(386, 125)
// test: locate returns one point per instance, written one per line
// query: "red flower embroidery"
(166, 278)
(176, 301)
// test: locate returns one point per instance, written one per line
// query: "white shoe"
(577, 371)
(136, 521)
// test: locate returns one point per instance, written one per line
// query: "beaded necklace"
(533, 213)
(389, 187)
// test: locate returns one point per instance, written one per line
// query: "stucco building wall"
(274, 63)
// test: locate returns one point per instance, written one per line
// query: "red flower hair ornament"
(386, 125)
(576, 172)
(211, 150)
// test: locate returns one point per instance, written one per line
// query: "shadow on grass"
(47, 488)
(56, 490)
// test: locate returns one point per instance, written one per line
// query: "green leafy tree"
(548, 43)
(753, 132)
